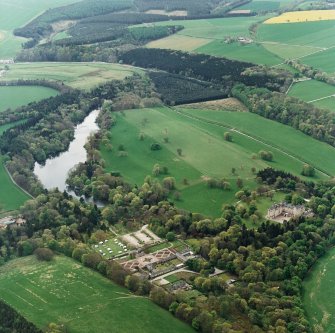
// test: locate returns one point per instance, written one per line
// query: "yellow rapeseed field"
(303, 16)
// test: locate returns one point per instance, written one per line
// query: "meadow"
(77, 75)
(15, 96)
(199, 134)
(16, 13)
(318, 288)
(65, 292)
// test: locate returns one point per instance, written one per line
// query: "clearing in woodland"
(65, 292)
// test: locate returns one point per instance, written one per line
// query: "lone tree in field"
(44, 254)
(239, 183)
(308, 171)
(179, 151)
(228, 137)
(169, 183)
(233, 171)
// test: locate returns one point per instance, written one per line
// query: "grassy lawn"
(318, 288)
(76, 75)
(311, 90)
(16, 13)
(13, 97)
(65, 292)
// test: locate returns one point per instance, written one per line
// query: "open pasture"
(205, 153)
(15, 96)
(311, 90)
(291, 143)
(326, 103)
(322, 60)
(255, 53)
(261, 6)
(16, 13)
(76, 75)
(65, 292)
(302, 16)
(318, 288)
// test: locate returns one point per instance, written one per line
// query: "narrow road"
(248, 136)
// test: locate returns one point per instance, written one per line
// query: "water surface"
(55, 171)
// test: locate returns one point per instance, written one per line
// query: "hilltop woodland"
(269, 262)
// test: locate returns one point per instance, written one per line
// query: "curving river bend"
(55, 171)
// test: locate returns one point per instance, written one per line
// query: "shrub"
(44, 254)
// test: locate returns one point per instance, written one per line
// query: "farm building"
(11, 221)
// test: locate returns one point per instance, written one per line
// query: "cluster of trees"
(208, 68)
(11, 321)
(177, 89)
(288, 110)
(266, 155)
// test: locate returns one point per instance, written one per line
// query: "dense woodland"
(213, 69)
(11, 321)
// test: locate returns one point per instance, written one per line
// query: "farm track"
(270, 145)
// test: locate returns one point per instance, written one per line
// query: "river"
(55, 171)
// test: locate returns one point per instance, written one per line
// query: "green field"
(290, 141)
(11, 197)
(77, 75)
(255, 53)
(16, 13)
(318, 290)
(311, 90)
(327, 103)
(206, 154)
(215, 31)
(310, 42)
(261, 6)
(65, 292)
(15, 96)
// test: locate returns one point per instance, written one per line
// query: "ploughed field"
(204, 152)
(65, 292)
(318, 290)
(76, 75)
